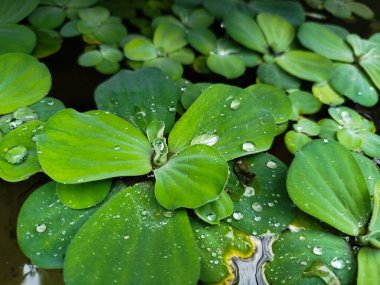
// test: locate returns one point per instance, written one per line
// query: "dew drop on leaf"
(337, 263)
(207, 139)
(271, 164)
(168, 214)
(235, 104)
(211, 217)
(249, 191)
(16, 155)
(317, 250)
(237, 216)
(248, 147)
(257, 207)
(41, 228)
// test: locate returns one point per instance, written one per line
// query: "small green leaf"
(361, 10)
(225, 117)
(328, 129)
(325, 42)
(191, 178)
(16, 38)
(324, 93)
(140, 48)
(46, 108)
(155, 130)
(139, 238)
(361, 47)
(90, 58)
(371, 64)
(294, 141)
(83, 195)
(332, 194)
(338, 8)
(305, 65)
(47, 17)
(111, 32)
(217, 210)
(13, 11)
(221, 8)
(69, 29)
(199, 18)
(349, 139)
(370, 144)
(278, 32)
(245, 31)
(170, 67)
(307, 127)
(368, 266)
(110, 53)
(107, 67)
(72, 151)
(48, 42)
(169, 37)
(229, 65)
(96, 15)
(303, 103)
(183, 56)
(35, 78)
(18, 156)
(202, 40)
(265, 206)
(349, 81)
(273, 75)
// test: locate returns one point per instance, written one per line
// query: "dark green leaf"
(48, 42)
(47, 17)
(217, 210)
(46, 108)
(13, 11)
(202, 40)
(273, 75)
(361, 10)
(338, 8)
(16, 38)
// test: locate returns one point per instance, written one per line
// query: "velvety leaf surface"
(273, 75)
(217, 210)
(224, 117)
(265, 205)
(349, 81)
(305, 65)
(18, 152)
(144, 243)
(368, 266)
(325, 42)
(13, 11)
(35, 78)
(45, 227)
(83, 195)
(191, 178)
(140, 96)
(299, 252)
(76, 147)
(331, 194)
(16, 38)
(218, 244)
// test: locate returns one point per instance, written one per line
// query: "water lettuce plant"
(173, 178)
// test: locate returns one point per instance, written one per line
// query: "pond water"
(74, 85)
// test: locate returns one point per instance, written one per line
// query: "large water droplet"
(249, 191)
(237, 216)
(168, 214)
(257, 207)
(211, 217)
(346, 117)
(317, 250)
(271, 164)
(248, 147)
(117, 147)
(235, 104)
(16, 155)
(208, 139)
(41, 228)
(337, 263)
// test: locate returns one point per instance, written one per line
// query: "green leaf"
(303, 103)
(69, 29)
(190, 92)
(140, 48)
(245, 31)
(332, 194)
(361, 10)
(349, 139)
(202, 40)
(221, 8)
(83, 195)
(324, 93)
(338, 8)
(265, 206)
(13, 11)
(96, 15)
(217, 210)
(169, 37)
(16, 38)
(305, 65)
(156, 246)
(278, 32)
(110, 53)
(371, 64)
(328, 129)
(224, 116)
(229, 65)
(361, 47)
(338, 30)
(199, 18)
(35, 78)
(273, 75)
(107, 67)
(249, 57)
(349, 81)
(72, 151)
(170, 67)
(368, 266)
(46, 108)
(307, 127)
(47, 17)
(374, 224)
(130, 95)
(325, 42)
(272, 99)
(218, 244)
(296, 253)
(90, 58)
(370, 170)
(111, 32)
(48, 42)
(191, 178)
(294, 141)
(370, 144)
(155, 130)
(45, 227)
(18, 152)
(375, 38)
(183, 56)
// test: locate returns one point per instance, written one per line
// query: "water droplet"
(34, 138)
(172, 108)
(302, 237)
(248, 146)
(271, 164)
(41, 228)
(168, 214)
(14, 124)
(222, 25)
(249, 191)
(337, 263)
(50, 103)
(125, 237)
(325, 140)
(117, 147)
(237, 216)
(211, 217)
(80, 180)
(257, 207)
(235, 104)
(16, 155)
(257, 218)
(207, 139)
(346, 117)
(145, 212)
(270, 204)
(317, 250)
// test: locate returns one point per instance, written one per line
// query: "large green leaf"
(350, 81)
(191, 178)
(23, 81)
(325, 42)
(16, 38)
(45, 227)
(140, 96)
(369, 169)
(18, 152)
(47, 17)
(131, 239)
(305, 65)
(218, 244)
(244, 29)
(320, 182)
(273, 75)
(226, 118)
(76, 147)
(272, 99)
(279, 33)
(310, 257)
(228, 65)
(371, 64)
(169, 37)
(368, 266)
(216, 210)
(265, 205)
(13, 11)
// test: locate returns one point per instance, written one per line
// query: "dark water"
(75, 85)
